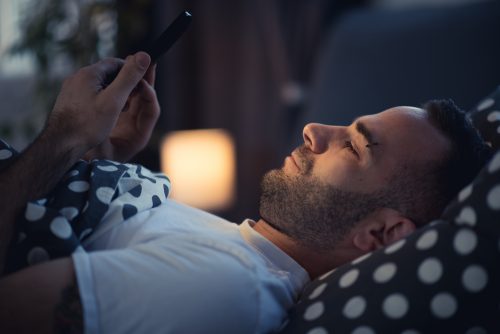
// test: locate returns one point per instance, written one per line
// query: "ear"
(380, 229)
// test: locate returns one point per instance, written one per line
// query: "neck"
(314, 262)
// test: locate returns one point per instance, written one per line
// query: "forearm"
(33, 174)
(41, 299)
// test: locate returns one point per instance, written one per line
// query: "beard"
(315, 214)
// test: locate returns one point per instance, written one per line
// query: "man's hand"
(87, 109)
(85, 112)
(135, 123)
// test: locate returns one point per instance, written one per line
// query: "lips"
(294, 160)
(303, 159)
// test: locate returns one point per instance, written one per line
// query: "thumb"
(129, 76)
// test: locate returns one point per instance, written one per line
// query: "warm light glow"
(201, 167)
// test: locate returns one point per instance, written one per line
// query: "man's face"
(338, 175)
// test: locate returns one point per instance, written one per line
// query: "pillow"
(441, 279)
(478, 205)
(486, 118)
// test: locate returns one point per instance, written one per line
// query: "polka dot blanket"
(444, 278)
(56, 225)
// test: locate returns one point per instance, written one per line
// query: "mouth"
(294, 160)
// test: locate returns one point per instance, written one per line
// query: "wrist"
(58, 140)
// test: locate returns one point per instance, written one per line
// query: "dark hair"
(469, 151)
(422, 193)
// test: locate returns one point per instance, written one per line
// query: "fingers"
(150, 111)
(147, 92)
(129, 76)
(105, 70)
(150, 75)
(108, 65)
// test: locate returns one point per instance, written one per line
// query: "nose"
(317, 137)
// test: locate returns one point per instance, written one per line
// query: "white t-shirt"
(176, 269)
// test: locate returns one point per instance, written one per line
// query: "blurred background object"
(202, 163)
(47, 41)
(259, 69)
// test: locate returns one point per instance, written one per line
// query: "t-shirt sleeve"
(186, 285)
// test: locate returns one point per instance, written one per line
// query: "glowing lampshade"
(201, 167)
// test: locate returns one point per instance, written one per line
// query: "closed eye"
(348, 145)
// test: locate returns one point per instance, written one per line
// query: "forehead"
(406, 134)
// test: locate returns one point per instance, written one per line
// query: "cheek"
(339, 172)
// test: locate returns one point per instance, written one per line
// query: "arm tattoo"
(68, 317)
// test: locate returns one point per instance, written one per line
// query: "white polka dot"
(363, 330)
(42, 201)
(361, 258)
(476, 330)
(438, 222)
(117, 163)
(395, 246)
(465, 192)
(108, 168)
(427, 240)
(69, 212)
(467, 216)
(443, 305)
(318, 291)
(105, 194)
(34, 212)
(5, 154)
(486, 103)
(60, 228)
(493, 116)
(318, 330)
(384, 272)
(474, 278)
(494, 164)
(85, 233)
(322, 277)
(37, 255)
(349, 278)
(410, 331)
(74, 172)
(78, 186)
(395, 306)
(465, 241)
(314, 311)
(498, 131)
(430, 271)
(354, 307)
(493, 198)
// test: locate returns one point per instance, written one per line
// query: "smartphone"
(163, 43)
(168, 38)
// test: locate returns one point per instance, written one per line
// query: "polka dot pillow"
(486, 118)
(477, 206)
(442, 279)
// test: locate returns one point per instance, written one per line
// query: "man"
(173, 269)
